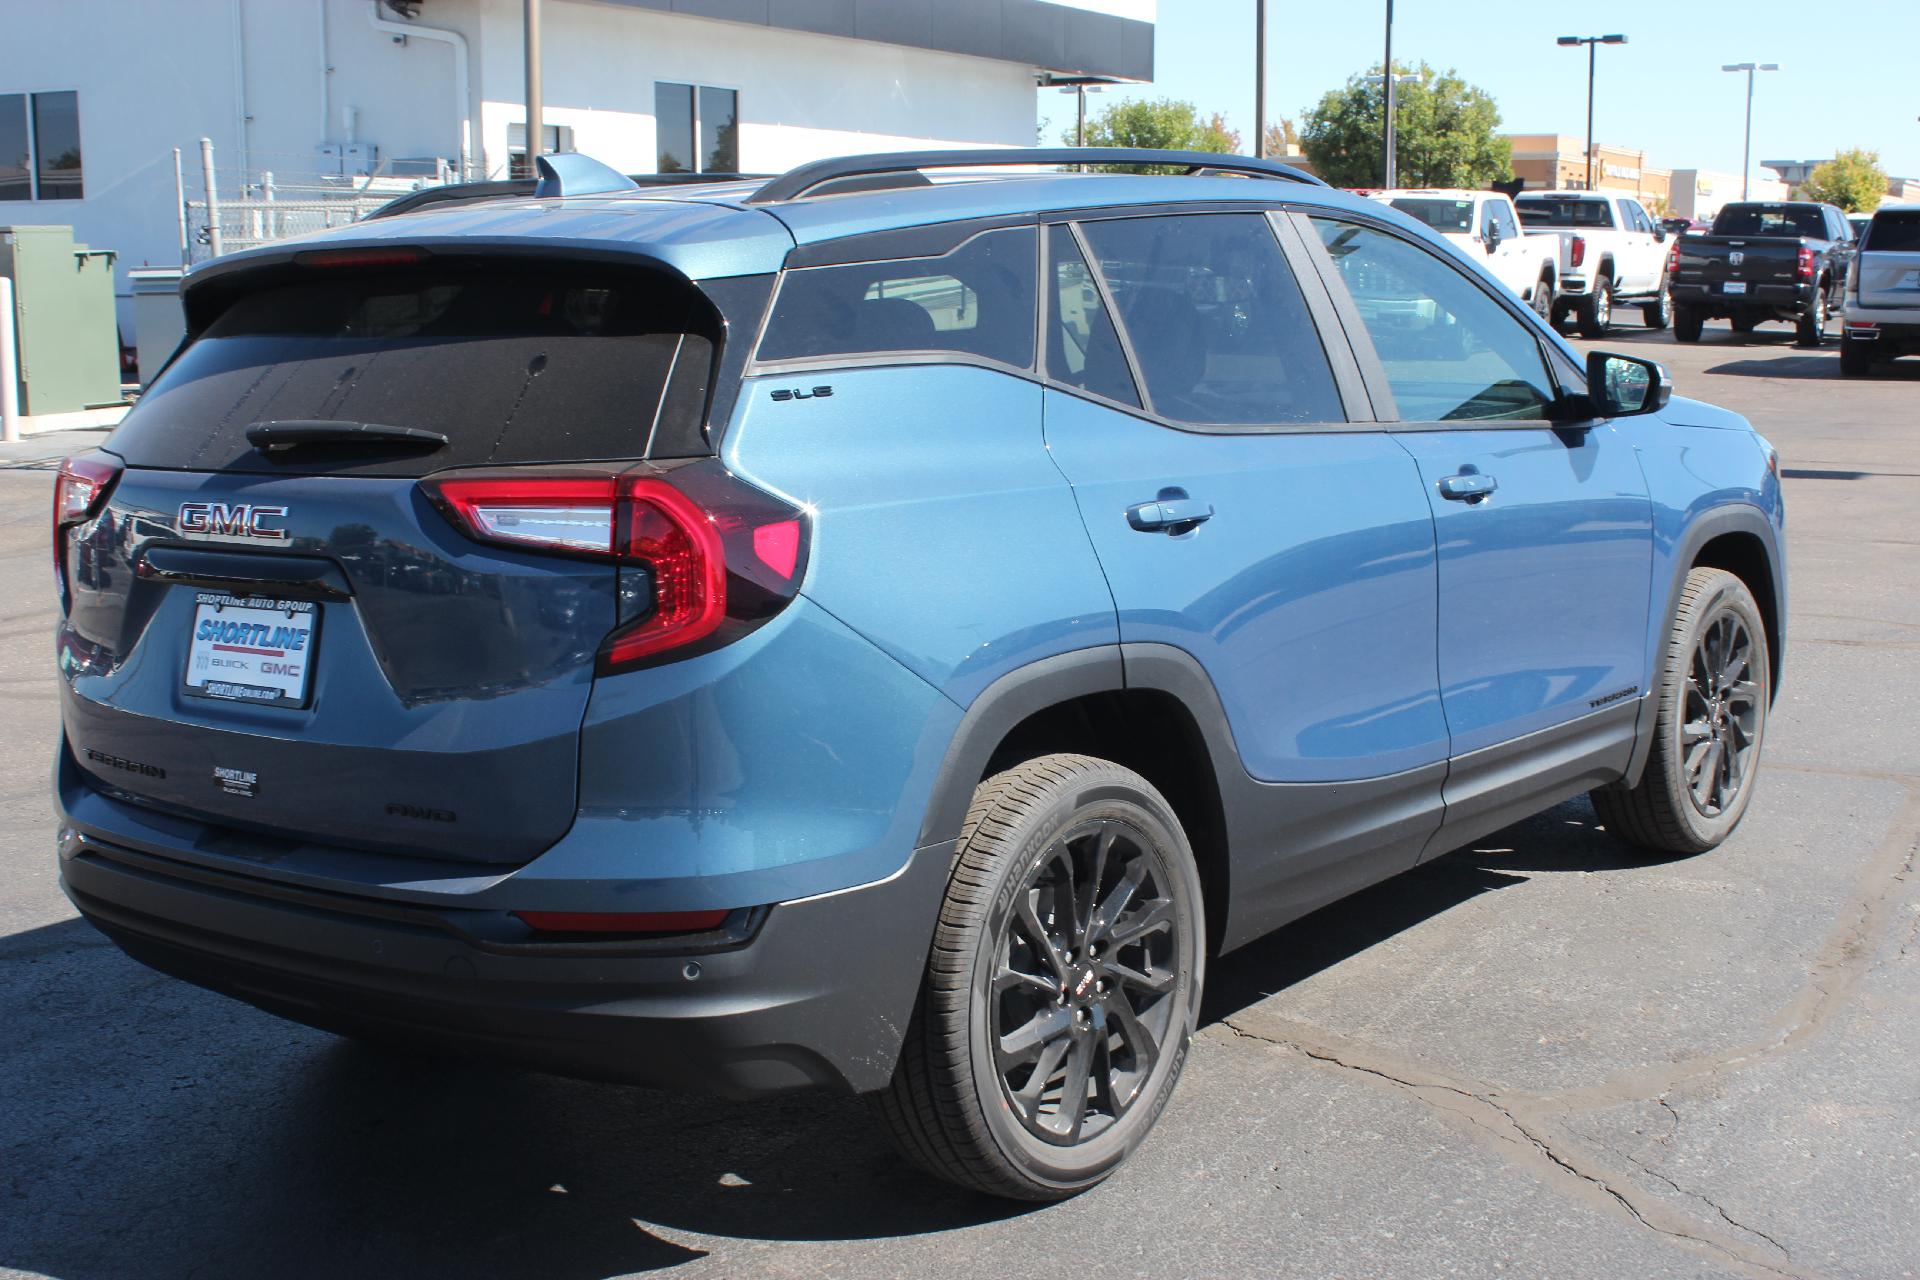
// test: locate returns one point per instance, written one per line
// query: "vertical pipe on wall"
(9, 370)
(462, 89)
(1259, 78)
(180, 208)
(213, 196)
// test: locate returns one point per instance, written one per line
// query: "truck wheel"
(1856, 359)
(1687, 323)
(1711, 718)
(1811, 329)
(1596, 310)
(1542, 299)
(1659, 314)
(1063, 987)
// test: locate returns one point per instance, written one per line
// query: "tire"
(1709, 727)
(1015, 925)
(1744, 321)
(1595, 312)
(1561, 310)
(1659, 314)
(1687, 324)
(1811, 329)
(1856, 359)
(1542, 300)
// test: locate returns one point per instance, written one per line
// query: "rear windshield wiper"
(293, 433)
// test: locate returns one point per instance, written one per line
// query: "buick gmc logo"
(230, 522)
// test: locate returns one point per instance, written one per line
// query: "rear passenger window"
(1083, 350)
(1894, 232)
(977, 300)
(1218, 325)
(1451, 353)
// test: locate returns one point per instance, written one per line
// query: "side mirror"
(1493, 237)
(1621, 386)
(1659, 235)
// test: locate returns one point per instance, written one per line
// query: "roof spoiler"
(797, 182)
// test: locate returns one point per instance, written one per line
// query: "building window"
(697, 128)
(554, 138)
(40, 146)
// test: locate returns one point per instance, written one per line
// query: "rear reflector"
(1578, 251)
(623, 921)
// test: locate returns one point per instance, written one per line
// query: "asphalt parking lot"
(1540, 1056)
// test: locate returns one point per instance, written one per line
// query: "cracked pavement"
(1544, 1055)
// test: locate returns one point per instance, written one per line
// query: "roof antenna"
(569, 173)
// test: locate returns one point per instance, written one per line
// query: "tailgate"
(283, 633)
(1889, 279)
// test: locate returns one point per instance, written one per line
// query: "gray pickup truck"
(1762, 261)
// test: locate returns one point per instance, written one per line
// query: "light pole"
(1080, 91)
(1259, 79)
(1387, 166)
(1592, 42)
(1390, 169)
(1746, 148)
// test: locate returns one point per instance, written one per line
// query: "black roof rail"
(501, 189)
(797, 182)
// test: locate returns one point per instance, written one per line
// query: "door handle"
(1169, 514)
(1468, 486)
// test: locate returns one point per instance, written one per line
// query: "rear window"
(1771, 220)
(1441, 215)
(1544, 211)
(1894, 232)
(977, 300)
(512, 365)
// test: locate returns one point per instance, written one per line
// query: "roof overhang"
(1057, 38)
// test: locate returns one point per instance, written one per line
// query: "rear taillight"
(79, 492)
(1578, 250)
(1673, 259)
(703, 557)
(1804, 268)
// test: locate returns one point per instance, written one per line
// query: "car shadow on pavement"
(148, 1128)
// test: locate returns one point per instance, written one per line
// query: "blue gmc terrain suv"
(872, 630)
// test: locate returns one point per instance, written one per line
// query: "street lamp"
(1080, 89)
(1746, 149)
(1390, 175)
(1591, 42)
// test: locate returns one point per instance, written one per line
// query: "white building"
(1699, 193)
(95, 95)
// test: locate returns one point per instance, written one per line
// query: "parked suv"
(869, 633)
(1882, 310)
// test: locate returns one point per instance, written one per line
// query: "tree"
(1165, 123)
(1443, 134)
(1281, 136)
(1853, 180)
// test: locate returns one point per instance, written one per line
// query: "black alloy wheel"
(1719, 732)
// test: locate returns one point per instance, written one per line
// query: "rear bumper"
(813, 993)
(1760, 296)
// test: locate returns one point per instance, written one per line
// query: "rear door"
(1890, 260)
(1241, 516)
(1544, 529)
(293, 638)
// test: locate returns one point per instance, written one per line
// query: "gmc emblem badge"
(230, 522)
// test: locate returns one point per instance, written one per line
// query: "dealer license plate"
(1734, 286)
(252, 649)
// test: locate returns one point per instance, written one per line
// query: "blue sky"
(1850, 69)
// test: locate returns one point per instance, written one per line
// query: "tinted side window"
(1450, 351)
(1218, 325)
(1503, 218)
(1083, 350)
(977, 300)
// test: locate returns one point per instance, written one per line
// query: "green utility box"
(68, 340)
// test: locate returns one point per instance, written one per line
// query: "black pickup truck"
(1762, 261)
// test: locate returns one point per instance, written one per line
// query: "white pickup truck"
(1484, 226)
(1612, 253)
